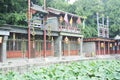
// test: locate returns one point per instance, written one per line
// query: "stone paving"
(22, 65)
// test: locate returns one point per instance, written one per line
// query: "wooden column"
(81, 44)
(104, 48)
(99, 48)
(96, 48)
(52, 47)
(108, 47)
(60, 46)
(29, 29)
(4, 49)
(69, 48)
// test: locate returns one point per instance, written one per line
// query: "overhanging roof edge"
(71, 34)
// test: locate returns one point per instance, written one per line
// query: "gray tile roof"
(38, 8)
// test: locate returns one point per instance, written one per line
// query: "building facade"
(98, 46)
(101, 45)
(117, 44)
(53, 33)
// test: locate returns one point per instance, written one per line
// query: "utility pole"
(44, 4)
(28, 29)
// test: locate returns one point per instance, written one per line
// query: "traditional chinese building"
(101, 45)
(4, 33)
(53, 33)
(117, 44)
(70, 38)
(98, 46)
(15, 38)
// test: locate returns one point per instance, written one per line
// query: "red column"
(96, 48)
(44, 51)
(28, 28)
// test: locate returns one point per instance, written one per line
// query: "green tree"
(12, 12)
(89, 8)
(112, 9)
(58, 4)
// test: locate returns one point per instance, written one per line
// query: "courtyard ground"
(22, 65)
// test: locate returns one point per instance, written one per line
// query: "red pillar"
(44, 51)
(99, 52)
(44, 42)
(28, 29)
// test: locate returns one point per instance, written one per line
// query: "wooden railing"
(69, 29)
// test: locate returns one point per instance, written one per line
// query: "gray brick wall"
(89, 47)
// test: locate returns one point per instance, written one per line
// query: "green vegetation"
(83, 70)
(14, 12)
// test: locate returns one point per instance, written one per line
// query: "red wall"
(18, 54)
(72, 52)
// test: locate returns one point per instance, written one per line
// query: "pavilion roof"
(58, 12)
(38, 8)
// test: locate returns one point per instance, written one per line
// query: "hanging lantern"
(78, 40)
(60, 19)
(102, 45)
(66, 40)
(0, 39)
(115, 44)
(110, 45)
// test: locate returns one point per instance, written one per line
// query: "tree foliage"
(14, 12)
(112, 9)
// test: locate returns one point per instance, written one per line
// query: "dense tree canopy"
(14, 12)
(11, 12)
